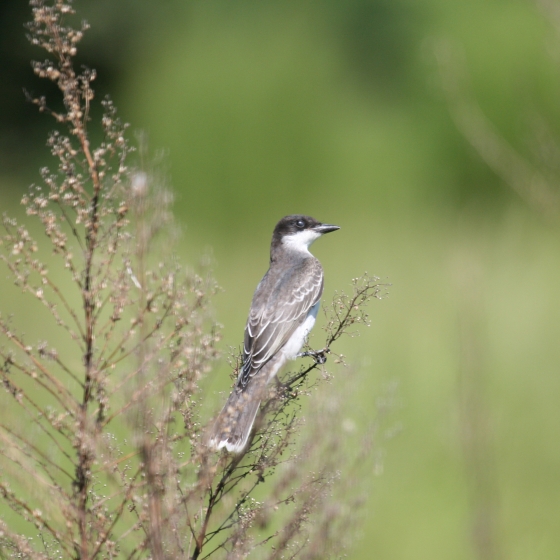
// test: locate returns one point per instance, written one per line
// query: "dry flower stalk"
(106, 421)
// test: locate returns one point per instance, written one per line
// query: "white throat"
(300, 241)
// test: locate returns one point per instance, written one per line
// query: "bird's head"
(297, 232)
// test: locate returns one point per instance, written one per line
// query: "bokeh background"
(336, 109)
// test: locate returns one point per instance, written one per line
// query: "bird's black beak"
(325, 228)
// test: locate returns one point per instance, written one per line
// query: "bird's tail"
(234, 423)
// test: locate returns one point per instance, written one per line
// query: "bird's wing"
(276, 312)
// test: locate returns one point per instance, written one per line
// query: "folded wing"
(279, 307)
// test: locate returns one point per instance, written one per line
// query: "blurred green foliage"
(334, 109)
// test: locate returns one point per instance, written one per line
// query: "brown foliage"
(104, 451)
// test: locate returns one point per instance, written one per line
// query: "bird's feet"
(320, 356)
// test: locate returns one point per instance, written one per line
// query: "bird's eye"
(300, 224)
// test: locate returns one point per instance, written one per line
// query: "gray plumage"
(282, 313)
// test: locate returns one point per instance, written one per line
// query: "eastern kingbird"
(283, 311)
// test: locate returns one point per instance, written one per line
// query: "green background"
(335, 109)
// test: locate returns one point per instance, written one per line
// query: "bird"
(282, 313)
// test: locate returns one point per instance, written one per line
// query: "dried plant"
(103, 446)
